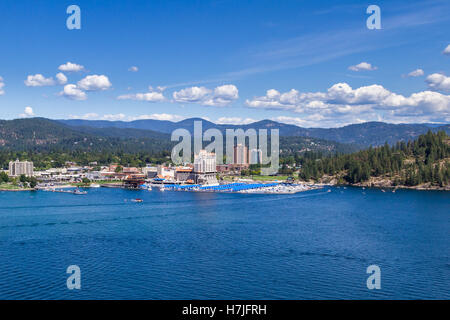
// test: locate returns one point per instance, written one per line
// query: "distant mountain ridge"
(364, 134)
(40, 134)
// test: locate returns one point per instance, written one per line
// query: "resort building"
(205, 168)
(17, 168)
(255, 156)
(240, 154)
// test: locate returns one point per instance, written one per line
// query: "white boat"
(149, 188)
(95, 185)
(77, 191)
(162, 189)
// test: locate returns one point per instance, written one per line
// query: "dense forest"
(57, 158)
(425, 160)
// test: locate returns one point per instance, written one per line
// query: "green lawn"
(266, 178)
(8, 186)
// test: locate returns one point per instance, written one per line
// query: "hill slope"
(39, 134)
(364, 135)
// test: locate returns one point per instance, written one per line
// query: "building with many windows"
(205, 168)
(17, 168)
(255, 156)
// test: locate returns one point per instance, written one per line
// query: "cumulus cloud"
(61, 78)
(70, 67)
(159, 116)
(438, 82)
(72, 92)
(363, 66)
(2, 84)
(28, 112)
(416, 73)
(123, 117)
(234, 120)
(151, 96)
(38, 80)
(94, 83)
(148, 96)
(341, 103)
(192, 94)
(447, 50)
(220, 96)
(133, 69)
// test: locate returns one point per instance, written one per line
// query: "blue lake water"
(184, 245)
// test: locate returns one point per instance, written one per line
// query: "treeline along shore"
(422, 164)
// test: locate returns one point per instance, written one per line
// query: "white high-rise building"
(205, 168)
(205, 162)
(17, 168)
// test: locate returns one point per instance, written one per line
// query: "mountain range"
(153, 136)
(362, 135)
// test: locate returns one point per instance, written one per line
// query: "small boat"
(149, 188)
(137, 200)
(329, 190)
(95, 185)
(77, 191)
(162, 189)
(382, 190)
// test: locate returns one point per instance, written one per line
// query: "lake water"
(183, 245)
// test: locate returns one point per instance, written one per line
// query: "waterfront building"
(255, 156)
(240, 154)
(17, 168)
(184, 174)
(150, 172)
(205, 168)
(165, 173)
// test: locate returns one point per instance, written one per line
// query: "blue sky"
(310, 63)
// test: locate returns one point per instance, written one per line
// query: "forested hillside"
(422, 161)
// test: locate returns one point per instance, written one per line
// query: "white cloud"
(148, 96)
(38, 80)
(114, 117)
(71, 91)
(28, 112)
(133, 69)
(192, 94)
(438, 82)
(159, 116)
(2, 84)
(363, 66)
(71, 67)
(123, 117)
(152, 96)
(416, 73)
(221, 96)
(61, 78)
(447, 50)
(234, 120)
(94, 83)
(343, 104)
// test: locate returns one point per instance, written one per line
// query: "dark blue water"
(181, 245)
